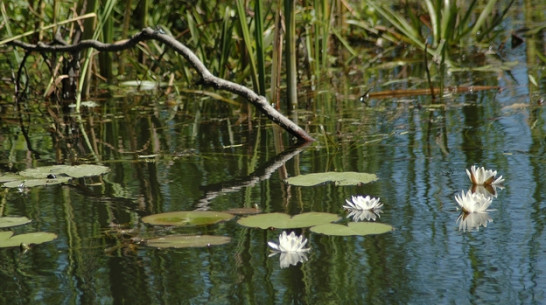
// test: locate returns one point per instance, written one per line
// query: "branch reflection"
(263, 173)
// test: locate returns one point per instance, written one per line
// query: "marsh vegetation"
(410, 93)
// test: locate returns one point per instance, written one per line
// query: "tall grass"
(447, 24)
(245, 30)
(290, 53)
(103, 17)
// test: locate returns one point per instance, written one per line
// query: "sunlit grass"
(444, 25)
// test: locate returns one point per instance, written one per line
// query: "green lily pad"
(74, 171)
(353, 228)
(8, 240)
(338, 178)
(244, 211)
(187, 218)
(285, 221)
(35, 182)
(187, 241)
(50, 175)
(143, 85)
(12, 221)
(9, 177)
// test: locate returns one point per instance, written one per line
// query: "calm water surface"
(166, 159)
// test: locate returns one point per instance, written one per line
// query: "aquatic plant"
(473, 202)
(443, 25)
(289, 243)
(482, 176)
(363, 203)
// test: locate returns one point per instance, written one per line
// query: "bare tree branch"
(208, 79)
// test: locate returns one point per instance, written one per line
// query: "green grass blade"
(225, 42)
(260, 48)
(483, 16)
(248, 45)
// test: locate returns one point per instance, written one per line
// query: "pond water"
(191, 154)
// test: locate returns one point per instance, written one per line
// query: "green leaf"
(7, 240)
(143, 85)
(285, 221)
(9, 177)
(187, 218)
(35, 182)
(50, 175)
(353, 228)
(339, 178)
(74, 171)
(243, 211)
(12, 221)
(187, 241)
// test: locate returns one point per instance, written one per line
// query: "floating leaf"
(74, 171)
(244, 211)
(187, 241)
(339, 178)
(187, 218)
(143, 85)
(285, 221)
(50, 175)
(353, 228)
(12, 221)
(35, 182)
(9, 177)
(8, 240)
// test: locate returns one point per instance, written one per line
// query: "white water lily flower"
(363, 203)
(360, 215)
(289, 243)
(473, 202)
(482, 176)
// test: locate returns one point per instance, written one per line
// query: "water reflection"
(288, 259)
(425, 261)
(363, 208)
(488, 191)
(362, 215)
(471, 221)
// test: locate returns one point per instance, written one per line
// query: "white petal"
(273, 245)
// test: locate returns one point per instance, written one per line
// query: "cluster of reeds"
(270, 44)
(437, 25)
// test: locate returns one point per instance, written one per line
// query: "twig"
(208, 79)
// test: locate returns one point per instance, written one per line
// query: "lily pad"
(285, 221)
(244, 211)
(12, 221)
(50, 175)
(8, 240)
(9, 177)
(35, 182)
(187, 241)
(74, 171)
(187, 218)
(143, 85)
(353, 228)
(338, 178)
